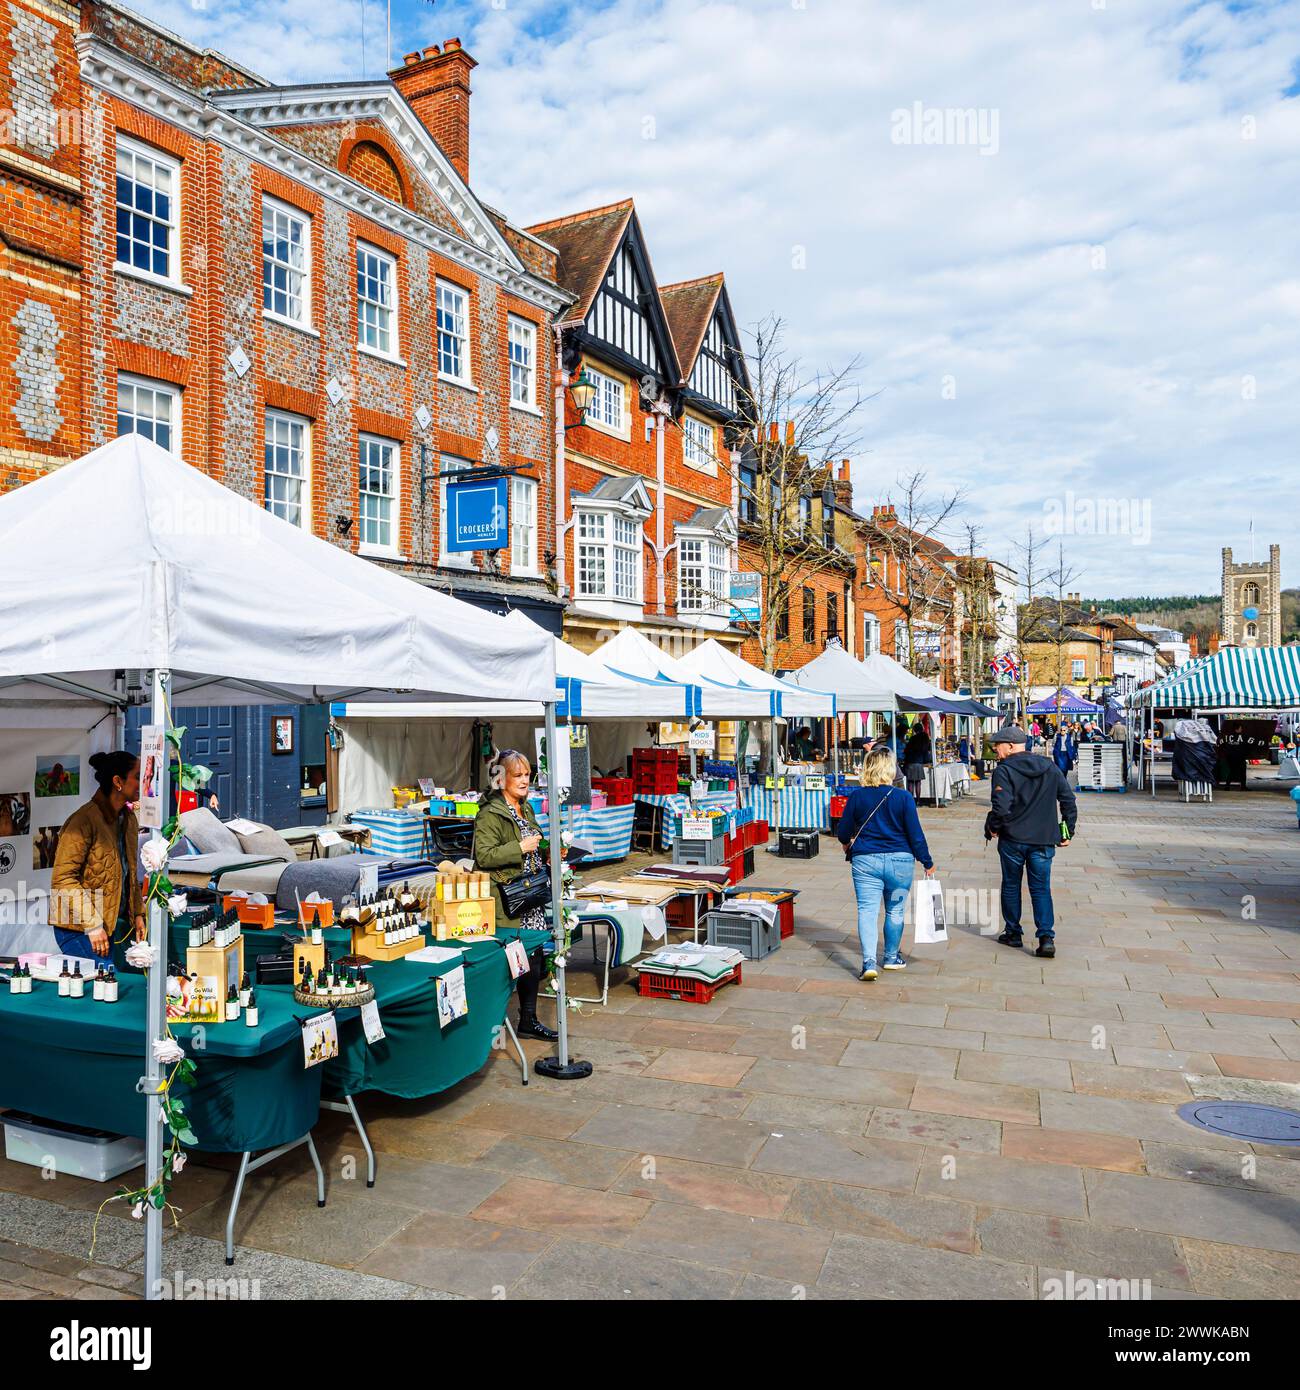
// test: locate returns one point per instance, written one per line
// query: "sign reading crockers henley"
(477, 515)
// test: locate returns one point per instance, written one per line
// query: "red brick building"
(648, 534)
(292, 288)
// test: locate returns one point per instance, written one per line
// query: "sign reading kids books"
(452, 1000)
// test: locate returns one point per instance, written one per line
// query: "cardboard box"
(466, 917)
(313, 955)
(215, 970)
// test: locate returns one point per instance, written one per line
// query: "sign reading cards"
(478, 514)
(815, 782)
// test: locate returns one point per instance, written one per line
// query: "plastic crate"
(740, 867)
(69, 1149)
(655, 781)
(652, 986)
(708, 852)
(717, 826)
(713, 767)
(645, 756)
(618, 790)
(782, 898)
(745, 932)
(799, 844)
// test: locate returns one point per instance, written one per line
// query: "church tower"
(1251, 613)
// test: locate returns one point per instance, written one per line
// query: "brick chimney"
(435, 84)
(843, 487)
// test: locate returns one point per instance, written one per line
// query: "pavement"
(984, 1125)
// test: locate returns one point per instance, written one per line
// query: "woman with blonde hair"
(507, 843)
(882, 838)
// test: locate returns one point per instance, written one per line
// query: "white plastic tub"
(71, 1150)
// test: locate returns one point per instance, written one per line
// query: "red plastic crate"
(653, 986)
(740, 867)
(662, 785)
(618, 790)
(645, 756)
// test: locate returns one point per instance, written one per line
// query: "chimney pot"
(432, 51)
(435, 83)
(789, 433)
(450, 45)
(411, 58)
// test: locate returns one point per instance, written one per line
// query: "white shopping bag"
(931, 926)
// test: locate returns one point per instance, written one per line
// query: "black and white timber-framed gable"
(626, 320)
(715, 375)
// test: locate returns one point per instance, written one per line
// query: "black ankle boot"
(530, 1026)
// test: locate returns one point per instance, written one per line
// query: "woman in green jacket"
(507, 843)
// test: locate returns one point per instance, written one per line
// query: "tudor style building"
(294, 289)
(648, 536)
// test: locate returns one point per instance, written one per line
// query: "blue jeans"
(73, 943)
(878, 877)
(1037, 860)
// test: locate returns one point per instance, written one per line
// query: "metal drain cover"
(1257, 1124)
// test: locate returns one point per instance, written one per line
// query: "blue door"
(210, 739)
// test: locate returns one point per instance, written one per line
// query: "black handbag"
(526, 891)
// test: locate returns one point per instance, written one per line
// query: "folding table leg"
(523, 1056)
(234, 1206)
(347, 1106)
(320, 1172)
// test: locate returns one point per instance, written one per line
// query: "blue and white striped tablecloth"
(676, 805)
(608, 831)
(392, 832)
(799, 807)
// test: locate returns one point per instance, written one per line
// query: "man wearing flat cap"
(1032, 812)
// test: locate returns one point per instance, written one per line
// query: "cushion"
(207, 834)
(268, 844)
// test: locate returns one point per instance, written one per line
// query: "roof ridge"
(625, 204)
(716, 278)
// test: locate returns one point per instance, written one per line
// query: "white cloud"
(1155, 132)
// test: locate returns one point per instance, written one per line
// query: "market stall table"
(608, 830)
(806, 808)
(676, 804)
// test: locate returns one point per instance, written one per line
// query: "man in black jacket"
(1024, 798)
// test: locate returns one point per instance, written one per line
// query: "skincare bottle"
(245, 989)
(78, 988)
(250, 1013)
(110, 987)
(97, 984)
(26, 973)
(317, 936)
(232, 1005)
(65, 982)
(15, 982)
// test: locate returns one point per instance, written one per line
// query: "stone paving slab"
(974, 1126)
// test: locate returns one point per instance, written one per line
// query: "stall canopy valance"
(1265, 678)
(721, 664)
(856, 689)
(130, 558)
(1070, 703)
(629, 654)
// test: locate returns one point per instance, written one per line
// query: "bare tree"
(977, 628)
(1045, 617)
(907, 536)
(794, 423)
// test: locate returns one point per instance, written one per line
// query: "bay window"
(703, 576)
(609, 556)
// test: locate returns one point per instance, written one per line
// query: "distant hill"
(1198, 613)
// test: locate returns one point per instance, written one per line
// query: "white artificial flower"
(167, 1050)
(178, 1162)
(141, 955)
(154, 856)
(137, 1211)
(566, 838)
(560, 962)
(177, 904)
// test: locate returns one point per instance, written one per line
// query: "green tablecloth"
(416, 1057)
(78, 1061)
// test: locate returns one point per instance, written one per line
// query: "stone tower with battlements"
(1251, 612)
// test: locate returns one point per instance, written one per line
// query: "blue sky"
(1092, 309)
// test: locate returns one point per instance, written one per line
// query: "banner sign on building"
(747, 596)
(478, 516)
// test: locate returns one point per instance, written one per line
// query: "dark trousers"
(1036, 860)
(526, 986)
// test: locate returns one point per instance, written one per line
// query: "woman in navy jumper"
(881, 834)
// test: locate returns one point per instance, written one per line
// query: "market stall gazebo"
(164, 570)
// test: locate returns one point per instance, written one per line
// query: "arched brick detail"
(372, 157)
(139, 360)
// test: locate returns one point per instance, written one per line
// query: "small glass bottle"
(250, 1013)
(232, 1005)
(317, 935)
(65, 981)
(245, 989)
(78, 986)
(110, 987)
(97, 984)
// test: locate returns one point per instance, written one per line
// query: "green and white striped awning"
(1234, 678)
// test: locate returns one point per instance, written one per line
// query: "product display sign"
(701, 740)
(815, 782)
(478, 516)
(697, 827)
(368, 880)
(148, 812)
(453, 1003)
(516, 959)
(320, 1039)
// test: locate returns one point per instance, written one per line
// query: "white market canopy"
(130, 558)
(855, 687)
(588, 690)
(630, 654)
(1265, 678)
(721, 664)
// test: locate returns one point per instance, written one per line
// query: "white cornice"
(111, 71)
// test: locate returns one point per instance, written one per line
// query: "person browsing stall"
(507, 843)
(882, 838)
(95, 897)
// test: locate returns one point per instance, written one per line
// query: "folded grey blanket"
(335, 878)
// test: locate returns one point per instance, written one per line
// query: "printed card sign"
(452, 1000)
(697, 827)
(368, 879)
(516, 959)
(153, 769)
(370, 1022)
(327, 839)
(701, 739)
(815, 782)
(320, 1039)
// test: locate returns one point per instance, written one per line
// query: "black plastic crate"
(799, 844)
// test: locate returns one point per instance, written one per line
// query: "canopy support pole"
(835, 725)
(558, 1066)
(775, 826)
(155, 1023)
